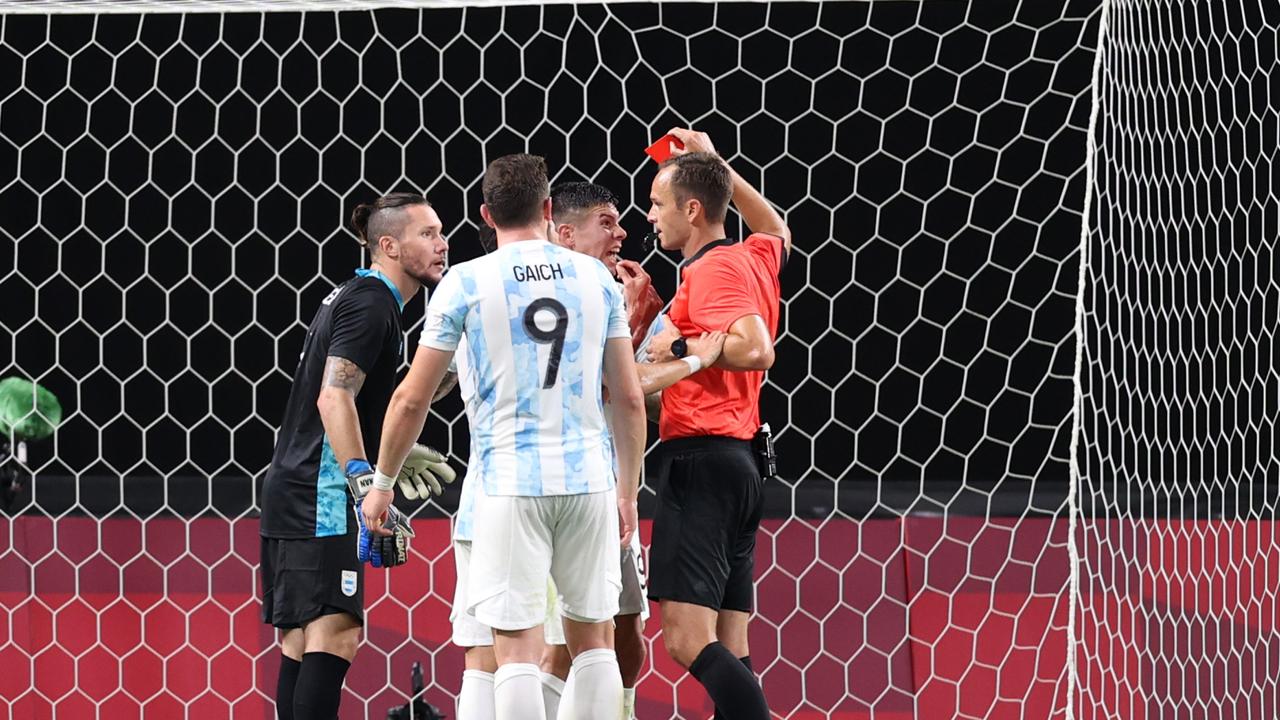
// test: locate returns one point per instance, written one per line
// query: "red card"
(661, 150)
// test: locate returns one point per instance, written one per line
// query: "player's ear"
(546, 209)
(386, 246)
(563, 236)
(484, 215)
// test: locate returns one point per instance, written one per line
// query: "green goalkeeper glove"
(423, 471)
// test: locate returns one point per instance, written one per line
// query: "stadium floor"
(146, 618)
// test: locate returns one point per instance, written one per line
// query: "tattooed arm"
(653, 406)
(337, 406)
(446, 385)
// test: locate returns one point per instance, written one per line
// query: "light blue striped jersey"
(536, 317)
(471, 481)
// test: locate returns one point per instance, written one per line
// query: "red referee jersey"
(722, 283)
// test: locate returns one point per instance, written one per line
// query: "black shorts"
(704, 527)
(306, 578)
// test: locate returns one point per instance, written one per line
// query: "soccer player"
(475, 698)
(585, 219)
(312, 579)
(544, 330)
(709, 499)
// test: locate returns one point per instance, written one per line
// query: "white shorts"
(631, 601)
(467, 631)
(518, 542)
(634, 599)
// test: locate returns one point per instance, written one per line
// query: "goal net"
(1178, 477)
(182, 176)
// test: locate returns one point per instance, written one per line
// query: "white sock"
(566, 699)
(517, 693)
(552, 690)
(628, 703)
(597, 692)
(475, 699)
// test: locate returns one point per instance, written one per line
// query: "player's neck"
(701, 237)
(406, 284)
(506, 236)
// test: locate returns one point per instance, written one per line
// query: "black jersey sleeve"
(361, 321)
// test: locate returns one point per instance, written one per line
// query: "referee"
(710, 489)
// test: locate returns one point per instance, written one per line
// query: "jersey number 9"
(554, 336)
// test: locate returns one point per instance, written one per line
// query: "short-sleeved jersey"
(471, 481)
(536, 317)
(641, 322)
(722, 283)
(305, 491)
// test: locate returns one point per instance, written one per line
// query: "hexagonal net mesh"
(183, 176)
(1179, 550)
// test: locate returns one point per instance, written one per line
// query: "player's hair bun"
(360, 221)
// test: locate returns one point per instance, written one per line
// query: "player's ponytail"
(360, 222)
(372, 220)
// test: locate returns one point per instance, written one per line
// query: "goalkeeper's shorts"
(307, 578)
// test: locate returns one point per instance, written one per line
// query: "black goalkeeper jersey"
(305, 491)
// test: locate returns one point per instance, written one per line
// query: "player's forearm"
(656, 377)
(641, 314)
(446, 385)
(341, 424)
(742, 353)
(400, 428)
(756, 212)
(628, 443)
(653, 407)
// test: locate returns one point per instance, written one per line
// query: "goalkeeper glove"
(378, 550)
(423, 471)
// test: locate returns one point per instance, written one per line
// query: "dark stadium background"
(178, 221)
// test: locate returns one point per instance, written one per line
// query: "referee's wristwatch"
(679, 347)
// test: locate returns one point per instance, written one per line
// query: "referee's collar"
(722, 242)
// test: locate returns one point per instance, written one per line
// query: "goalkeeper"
(314, 545)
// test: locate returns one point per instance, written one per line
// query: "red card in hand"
(661, 150)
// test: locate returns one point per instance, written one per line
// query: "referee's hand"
(692, 140)
(628, 519)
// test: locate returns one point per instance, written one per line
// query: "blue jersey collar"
(395, 291)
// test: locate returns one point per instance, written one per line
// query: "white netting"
(177, 212)
(132, 7)
(1178, 486)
